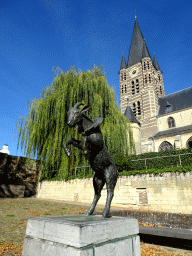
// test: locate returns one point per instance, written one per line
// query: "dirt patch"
(15, 212)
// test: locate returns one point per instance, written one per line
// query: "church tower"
(141, 84)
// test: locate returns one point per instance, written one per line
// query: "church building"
(159, 122)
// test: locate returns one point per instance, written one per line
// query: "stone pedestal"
(80, 235)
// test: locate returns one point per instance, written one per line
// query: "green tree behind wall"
(44, 131)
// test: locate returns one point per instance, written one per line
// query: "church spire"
(155, 63)
(123, 63)
(137, 45)
(145, 52)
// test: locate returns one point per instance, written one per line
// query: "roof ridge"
(176, 92)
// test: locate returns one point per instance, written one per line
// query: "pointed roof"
(123, 63)
(137, 45)
(145, 52)
(129, 114)
(155, 63)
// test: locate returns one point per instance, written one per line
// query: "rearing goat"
(96, 151)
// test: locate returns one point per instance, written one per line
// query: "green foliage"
(158, 163)
(173, 169)
(122, 162)
(43, 133)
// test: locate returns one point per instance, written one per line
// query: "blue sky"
(36, 36)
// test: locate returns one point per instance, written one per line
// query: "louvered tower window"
(122, 89)
(148, 64)
(159, 77)
(133, 88)
(125, 88)
(161, 90)
(149, 78)
(157, 91)
(145, 78)
(121, 76)
(144, 66)
(138, 108)
(134, 109)
(124, 76)
(137, 85)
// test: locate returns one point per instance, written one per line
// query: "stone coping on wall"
(167, 220)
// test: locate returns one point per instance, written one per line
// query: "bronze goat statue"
(96, 151)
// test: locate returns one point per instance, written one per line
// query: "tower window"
(161, 90)
(121, 76)
(157, 92)
(144, 66)
(138, 108)
(148, 64)
(134, 109)
(125, 88)
(137, 85)
(145, 78)
(124, 76)
(122, 89)
(159, 77)
(149, 78)
(133, 88)
(171, 122)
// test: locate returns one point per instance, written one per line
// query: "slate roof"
(175, 102)
(155, 63)
(123, 63)
(145, 51)
(137, 45)
(129, 114)
(172, 131)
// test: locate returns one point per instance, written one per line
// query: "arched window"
(171, 122)
(145, 78)
(121, 76)
(149, 78)
(134, 109)
(189, 143)
(148, 64)
(124, 76)
(159, 77)
(138, 108)
(137, 85)
(165, 146)
(122, 89)
(125, 88)
(144, 66)
(133, 88)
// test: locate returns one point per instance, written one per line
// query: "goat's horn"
(78, 104)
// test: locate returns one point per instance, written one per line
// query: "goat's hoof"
(88, 214)
(106, 215)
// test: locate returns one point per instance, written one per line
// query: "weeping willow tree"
(43, 133)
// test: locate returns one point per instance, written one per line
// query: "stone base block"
(80, 235)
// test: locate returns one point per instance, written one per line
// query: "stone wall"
(16, 180)
(166, 192)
